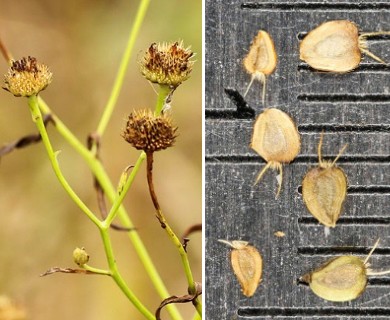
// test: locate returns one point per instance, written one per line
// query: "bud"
(167, 63)
(27, 77)
(80, 256)
(147, 132)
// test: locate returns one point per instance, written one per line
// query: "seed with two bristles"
(324, 189)
(336, 46)
(276, 139)
(341, 279)
(261, 60)
(247, 265)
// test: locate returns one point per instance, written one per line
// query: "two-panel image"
(187, 160)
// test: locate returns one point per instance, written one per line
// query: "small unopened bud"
(27, 77)
(167, 63)
(145, 131)
(80, 256)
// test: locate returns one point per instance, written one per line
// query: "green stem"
(198, 306)
(175, 240)
(96, 270)
(163, 93)
(118, 201)
(101, 175)
(197, 316)
(118, 278)
(109, 108)
(37, 118)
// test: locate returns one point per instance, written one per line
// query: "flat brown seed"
(324, 190)
(341, 279)
(247, 265)
(276, 139)
(336, 46)
(261, 59)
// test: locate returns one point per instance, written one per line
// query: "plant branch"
(118, 201)
(6, 54)
(105, 182)
(37, 118)
(109, 108)
(117, 276)
(164, 224)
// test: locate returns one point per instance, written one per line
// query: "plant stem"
(6, 54)
(37, 118)
(100, 173)
(118, 278)
(96, 270)
(164, 224)
(109, 108)
(118, 201)
(163, 93)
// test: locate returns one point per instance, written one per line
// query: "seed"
(341, 279)
(324, 189)
(247, 265)
(276, 139)
(279, 234)
(261, 60)
(336, 46)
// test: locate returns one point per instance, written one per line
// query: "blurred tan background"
(82, 42)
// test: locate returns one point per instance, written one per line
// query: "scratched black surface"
(352, 108)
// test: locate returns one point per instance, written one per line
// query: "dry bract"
(341, 279)
(324, 189)
(276, 139)
(261, 60)
(247, 265)
(336, 46)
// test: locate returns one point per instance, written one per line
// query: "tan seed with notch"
(247, 265)
(261, 60)
(341, 279)
(336, 46)
(324, 189)
(276, 139)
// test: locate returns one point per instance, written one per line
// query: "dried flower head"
(145, 131)
(10, 310)
(341, 279)
(276, 139)
(336, 46)
(167, 63)
(324, 189)
(247, 265)
(80, 256)
(27, 77)
(261, 59)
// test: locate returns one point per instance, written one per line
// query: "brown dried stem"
(6, 54)
(26, 140)
(182, 299)
(164, 224)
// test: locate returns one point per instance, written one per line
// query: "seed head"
(11, 310)
(145, 131)
(27, 77)
(167, 63)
